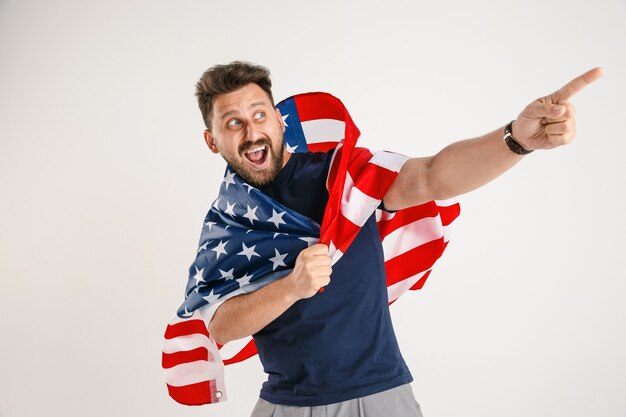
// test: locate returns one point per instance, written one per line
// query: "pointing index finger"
(577, 84)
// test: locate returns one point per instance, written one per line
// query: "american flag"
(249, 240)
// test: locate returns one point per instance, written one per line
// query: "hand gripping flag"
(249, 240)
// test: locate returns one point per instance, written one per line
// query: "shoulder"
(314, 163)
(313, 157)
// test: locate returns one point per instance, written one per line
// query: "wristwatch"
(513, 145)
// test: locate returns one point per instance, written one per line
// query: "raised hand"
(549, 122)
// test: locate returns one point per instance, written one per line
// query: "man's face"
(248, 133)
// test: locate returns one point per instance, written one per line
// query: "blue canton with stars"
(246, 237)
(294, 138)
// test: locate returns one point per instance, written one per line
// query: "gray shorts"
(396, 402)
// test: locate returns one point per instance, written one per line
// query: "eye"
(233, 123)
(259, 115)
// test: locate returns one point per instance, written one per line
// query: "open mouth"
(257, 155)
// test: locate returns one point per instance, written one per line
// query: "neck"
(286, 156)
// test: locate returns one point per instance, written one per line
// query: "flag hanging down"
(249, 240)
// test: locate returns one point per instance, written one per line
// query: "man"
(333, 352)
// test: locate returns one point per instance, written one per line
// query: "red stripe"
(334, 168)
(195, 394)
(358, 161)
(185, 328)
(335, 193)
(413, 261)
(407, 216)
(374, 180)
(361, 155)
(449, 213)
(313, 106)
(246, 352)
(371, 179)
(169, 360)
(348, 230)
(419, 284)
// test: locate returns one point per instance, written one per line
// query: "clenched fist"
(311, 272)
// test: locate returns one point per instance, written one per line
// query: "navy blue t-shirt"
(338, 344)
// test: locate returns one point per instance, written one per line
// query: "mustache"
(249, 145)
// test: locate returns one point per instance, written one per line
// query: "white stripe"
(384, 215)
(323, 130)
(389, 160)
(194, 372)
(356, 206)
(331, 249)
(447, 232)
(334, 253)
(411, 236)
(336, 257)
(446, 203)
(232, 348)
(396, 290)
(185, 343)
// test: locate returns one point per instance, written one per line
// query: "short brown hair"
(220, 79)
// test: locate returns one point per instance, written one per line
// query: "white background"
(105, 181)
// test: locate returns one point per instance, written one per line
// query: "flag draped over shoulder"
(249, 240)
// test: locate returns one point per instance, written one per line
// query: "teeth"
(258, 148)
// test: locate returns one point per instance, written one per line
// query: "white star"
(211, 297)
(278, 234)
(198, 276)
(248, 252)
(285, 120)
(250, 188)
(187, 313)
(245, 280)
(251, 214)
(309, 240)
(216, 204)
(203, 247)
(277, 218)
(278, 260)
(227, 274)
(229, 178)
(220, 248)
(210, 224)
(230, 209)
(291, 149)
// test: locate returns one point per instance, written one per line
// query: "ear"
(210, 141)
(280, 120)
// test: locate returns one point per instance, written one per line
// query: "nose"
(252, 132)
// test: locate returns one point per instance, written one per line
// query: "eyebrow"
(255, 104)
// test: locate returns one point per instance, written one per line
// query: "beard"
(258, 178)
